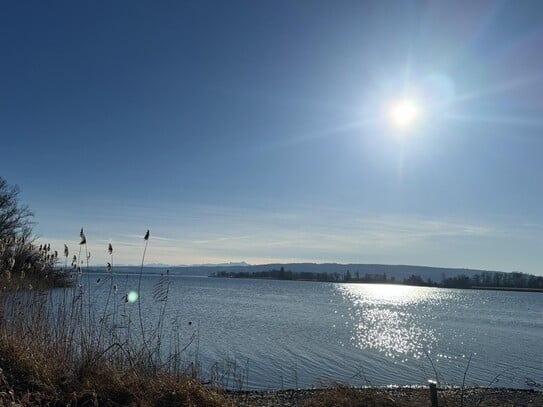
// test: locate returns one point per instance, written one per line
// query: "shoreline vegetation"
(495, 281)
(57, 349)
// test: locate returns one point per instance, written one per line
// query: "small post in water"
(433, 392)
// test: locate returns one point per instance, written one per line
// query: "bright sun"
(403, 113)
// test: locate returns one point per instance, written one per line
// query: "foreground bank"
(18, 387)
(341, 396)
(29, 379)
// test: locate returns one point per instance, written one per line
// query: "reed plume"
(146, 238)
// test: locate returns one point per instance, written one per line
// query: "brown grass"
(56, 349)
(29, 377)
(62, 352)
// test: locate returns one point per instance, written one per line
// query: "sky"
(262, 131)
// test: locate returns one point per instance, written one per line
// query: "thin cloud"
(302, 233)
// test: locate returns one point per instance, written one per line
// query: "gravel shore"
(402, 396)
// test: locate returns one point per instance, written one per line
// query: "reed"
(59, 347)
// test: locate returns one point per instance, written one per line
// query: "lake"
(286, 334)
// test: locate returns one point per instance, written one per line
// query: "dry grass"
(30, 376)
(57, 349)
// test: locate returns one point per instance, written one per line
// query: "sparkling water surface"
(286, 334)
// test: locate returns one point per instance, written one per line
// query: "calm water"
(284, 334)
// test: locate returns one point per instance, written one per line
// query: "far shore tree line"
(484, 279)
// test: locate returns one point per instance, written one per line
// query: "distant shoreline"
(529, 290)
(483, 288)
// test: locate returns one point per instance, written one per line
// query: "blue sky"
(259, 131)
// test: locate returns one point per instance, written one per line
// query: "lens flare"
(132, 296)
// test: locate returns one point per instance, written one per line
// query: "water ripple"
(390, 319)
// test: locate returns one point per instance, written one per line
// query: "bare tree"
(15, 219)
(17, 253)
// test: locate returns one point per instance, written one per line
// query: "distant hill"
(231, 264)
(399, 272)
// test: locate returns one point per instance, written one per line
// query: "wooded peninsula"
(484, 280)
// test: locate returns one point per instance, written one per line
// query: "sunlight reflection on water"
(390, 318)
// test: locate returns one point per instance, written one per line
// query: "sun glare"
(403, 113)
